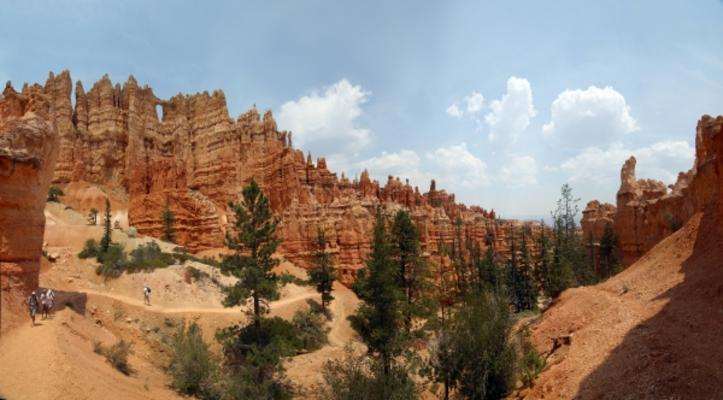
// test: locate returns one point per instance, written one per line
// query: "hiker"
(51, 297)
(46, 303)
(33, 306)
(43, 305)
(147, 294)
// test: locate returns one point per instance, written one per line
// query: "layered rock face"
(648, 211)
(28, 145)
(595, 217)
(194, 159)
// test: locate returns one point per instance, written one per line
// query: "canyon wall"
(647, 211)
(28, 147)
(188, 155)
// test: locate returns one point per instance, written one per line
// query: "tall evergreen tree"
(542, 269)
(322, 275)
(169, 233)
(569, 243)
(413, 274)
(526, 292)
(519, 275)
(254, 243)
(379, 318)
(560, 275)
(106, 239)
(609, 262)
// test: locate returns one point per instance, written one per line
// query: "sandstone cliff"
(647, 211)
(28, 141)
(194, 158)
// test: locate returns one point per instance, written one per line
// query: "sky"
(501, 102)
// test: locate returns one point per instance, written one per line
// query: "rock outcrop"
(595, 217)
(188, 155)
(648, 211)
(28, 145)
(653, 330)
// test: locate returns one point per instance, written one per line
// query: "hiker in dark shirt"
(33, 306)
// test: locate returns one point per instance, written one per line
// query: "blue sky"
(502, 102)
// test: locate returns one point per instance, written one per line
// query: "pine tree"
(526, 291)
(609, 263)
(512, 277)
(560, 275)
(379, 318)
(543, 259)
(473, 354)
(413, 275)
(322, 275)
(54, 194)
(106, 239)
(569, 243)
(169, 233)
(252, 262)
(458, 259)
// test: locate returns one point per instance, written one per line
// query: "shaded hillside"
(651, 332)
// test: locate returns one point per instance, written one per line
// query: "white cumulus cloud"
(454, 111)
(456, 165)
(511, 114)
(473, 105)
(327, 122)
(452, 167)
(519, 171)
(405, 164)
(590, 117)
(661, 161)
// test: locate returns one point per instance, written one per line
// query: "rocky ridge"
(187, 154)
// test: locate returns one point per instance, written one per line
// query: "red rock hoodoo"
(194, 159)
(648, 211)
(28, 141)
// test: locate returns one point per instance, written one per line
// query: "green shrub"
(311, 333)
(242, 383)
(192, 366)
(275, 333)
(54, 193)
(148, 257)
(359, 377)
(195, 274)
(116, 355)
(90, 250)
(531, 363)
(113, 262)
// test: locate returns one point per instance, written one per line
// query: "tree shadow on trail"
(678, 353)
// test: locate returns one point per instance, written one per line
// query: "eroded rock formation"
(648, 211)
(194, 158)
(28, 141)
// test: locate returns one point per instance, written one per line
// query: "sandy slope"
(654, 331)
(55, 360)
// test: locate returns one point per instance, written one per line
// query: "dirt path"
(54, 360)
(197, 310)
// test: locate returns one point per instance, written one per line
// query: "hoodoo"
(28, 141)
(195, 158)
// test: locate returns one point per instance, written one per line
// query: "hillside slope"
(651, 332)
